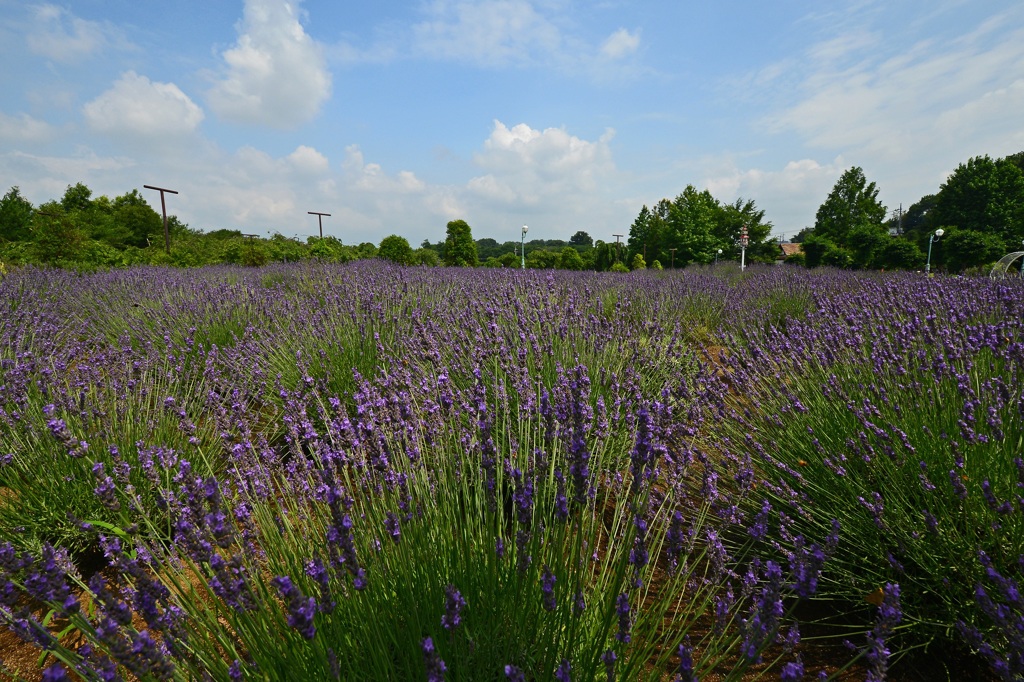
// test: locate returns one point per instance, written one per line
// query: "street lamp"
(522, 249)
(928, 265)
(717, 255)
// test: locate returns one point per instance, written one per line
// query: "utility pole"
(673, 258)
(617, 242)
(163, 207)
(320, 220)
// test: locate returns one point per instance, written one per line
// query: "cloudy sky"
(396, 117)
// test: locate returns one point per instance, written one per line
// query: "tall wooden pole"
(163, 208)
(320, 220)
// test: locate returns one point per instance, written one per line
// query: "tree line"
(980, 209)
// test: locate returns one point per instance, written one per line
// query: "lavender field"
(366, 472)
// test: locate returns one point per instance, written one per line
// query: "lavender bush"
(372, 472)
(898, 411)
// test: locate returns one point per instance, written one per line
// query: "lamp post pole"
(163, 207)
(928, 264)
(320, 220)
(522, 248)
(717, 254)
(744, 240)
(673, 258)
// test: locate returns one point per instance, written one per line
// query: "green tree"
(509, 260)
(899, 254)
(864, 242)
(962, 249)
(15, 217)
(396, 249)
(730, 220)
(136, 218)
(691, 226)
(459, 247)
(852, 203)
(542, 259)
(56, 235)
(838, 257)
(581, 238)
(917, 220)
(638, 262)
(984, 196)
(802, 235)
(571, 259)
(814, 248)
(427, 257)
(604, 255)
(488, 248)
(649, 230)
(76, 197)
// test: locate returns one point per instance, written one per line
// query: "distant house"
(788, 249)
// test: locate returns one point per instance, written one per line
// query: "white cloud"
(57, 34)
(24, 129)
(620, 44)
(905, 110)
(486, 33)
(275, 75)
(526, 165)
(42, 178)
(858, 95)
(788, 195)
(138, 106)
(370, 177)
(308, 161)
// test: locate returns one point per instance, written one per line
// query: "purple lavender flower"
(106, 490)
(316, 570)
(609, 658)
(230, 584)
(514, 674)
(55, 673)
(793, 671)
(579, 603)
(675, 546)
(685, 653)
(806, 564)
(564, 671)
(432, 660)
(761, 627)
(453, 605)
(392, 526)
(622, 609)
(760, 527)
(889, 616)
(958, 485)
(561, 502)
(547, 588)
(301, 609)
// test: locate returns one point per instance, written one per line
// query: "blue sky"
(564, 115)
